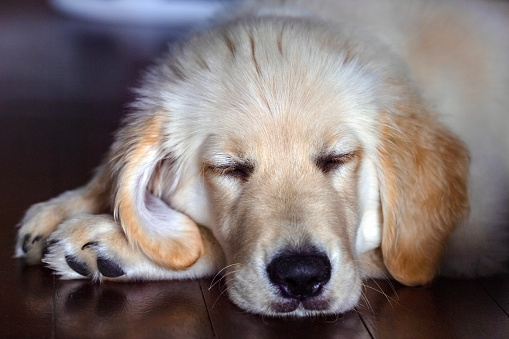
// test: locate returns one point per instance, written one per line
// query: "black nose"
(300, 276)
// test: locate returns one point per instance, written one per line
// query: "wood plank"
(447, 309)
(229, 321)
(26, 295)
(166, 309)
(498, 288)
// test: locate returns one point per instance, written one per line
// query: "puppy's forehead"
(298, 82)
(264, 84)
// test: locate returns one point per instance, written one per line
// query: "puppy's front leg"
(95, 247)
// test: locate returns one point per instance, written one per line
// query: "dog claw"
(89, 244)
(26, 246)
(109, 268)
(50, 243)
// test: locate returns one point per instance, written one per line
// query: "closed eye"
(330, 162)
(240, 171)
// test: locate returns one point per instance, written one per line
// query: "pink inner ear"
(159, 219)
(155, 215)
(156, 218)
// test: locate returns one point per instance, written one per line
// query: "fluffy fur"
(368, 136)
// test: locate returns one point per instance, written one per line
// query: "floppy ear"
(166, 236)
(423, 171)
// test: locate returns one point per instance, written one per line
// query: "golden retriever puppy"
(298, 148)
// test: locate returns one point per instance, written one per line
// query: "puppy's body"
(304, 147)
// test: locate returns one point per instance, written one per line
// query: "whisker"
(368, 304)
(221, 294)
(385, 277)
(389, 299)
(213, 282)
(372, 266)
(219, 280)
(385, 294)
(392, 286)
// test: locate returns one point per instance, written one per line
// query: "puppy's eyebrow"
(223, 160)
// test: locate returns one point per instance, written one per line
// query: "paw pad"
(107, 267)
(76, 265)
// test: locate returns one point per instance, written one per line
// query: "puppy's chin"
(317, 306)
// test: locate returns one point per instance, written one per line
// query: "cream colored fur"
(375, 131)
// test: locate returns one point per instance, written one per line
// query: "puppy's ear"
(166, 236)
(423, 171)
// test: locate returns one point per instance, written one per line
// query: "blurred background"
(87, 49)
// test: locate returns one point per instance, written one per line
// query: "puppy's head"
(301, 147)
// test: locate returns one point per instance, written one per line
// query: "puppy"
(298, 148)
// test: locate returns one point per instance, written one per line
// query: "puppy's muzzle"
(300, 276)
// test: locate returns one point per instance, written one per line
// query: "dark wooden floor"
(63, 85)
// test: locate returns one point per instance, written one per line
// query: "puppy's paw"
(43, 218)
(37, 225)
(90, 246)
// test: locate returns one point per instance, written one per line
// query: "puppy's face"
(285, 200)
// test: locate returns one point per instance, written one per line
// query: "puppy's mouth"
(301, 307)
